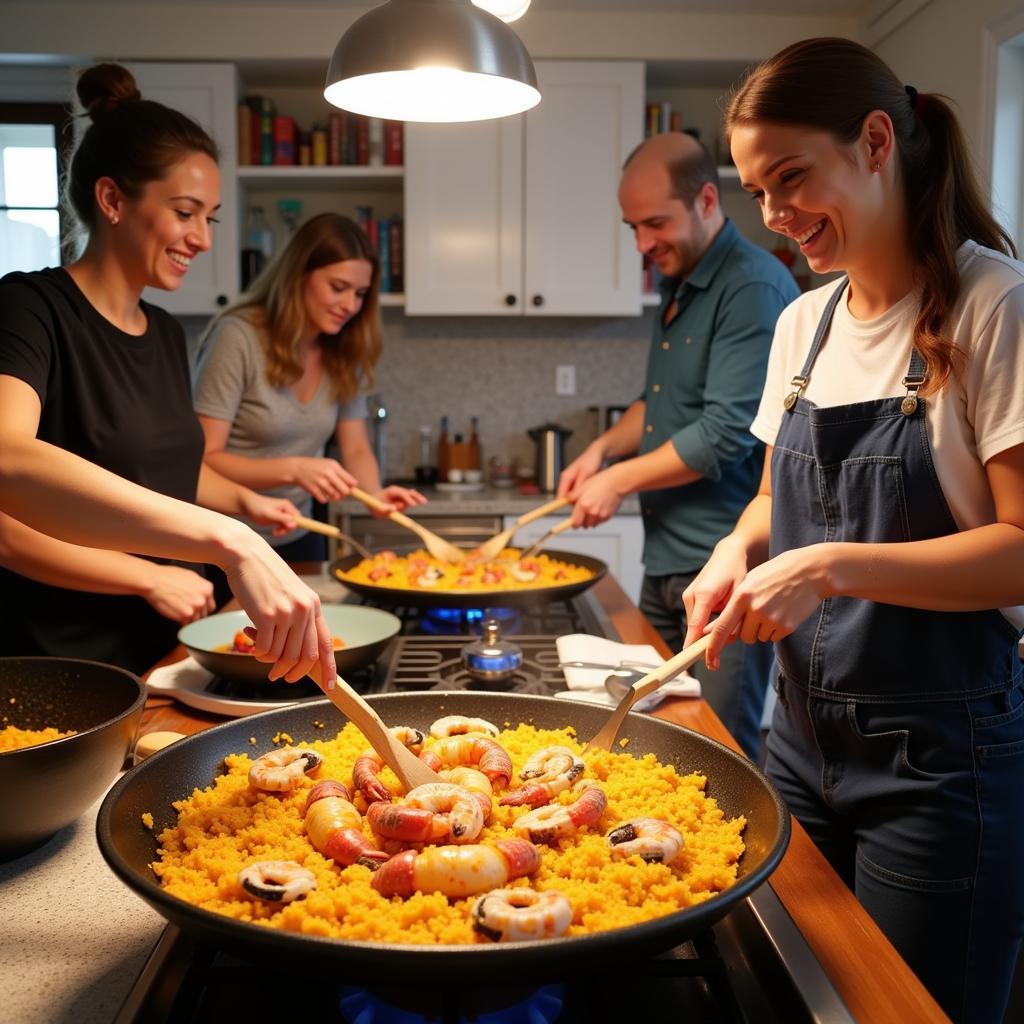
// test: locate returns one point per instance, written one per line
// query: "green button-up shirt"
(705, 374)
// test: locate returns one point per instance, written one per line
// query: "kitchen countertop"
(81, 970)
(489, 501)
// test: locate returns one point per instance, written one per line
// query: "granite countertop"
(487, 501)
(74, 937)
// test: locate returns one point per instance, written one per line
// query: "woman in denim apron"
(885, 552)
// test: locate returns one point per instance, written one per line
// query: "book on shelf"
(266, 132)
(244, 134)
(284, 141)
(384, 256)
(336, 136)
(396, 232)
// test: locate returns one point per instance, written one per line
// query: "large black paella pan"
(170, 775)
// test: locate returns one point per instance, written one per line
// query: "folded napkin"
(587, 684)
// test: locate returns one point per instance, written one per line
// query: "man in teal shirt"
(685, 444)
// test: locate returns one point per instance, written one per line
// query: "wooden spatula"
(684, 659)
(411, 771)
(554, 531)
(437, 546)
(490, 548)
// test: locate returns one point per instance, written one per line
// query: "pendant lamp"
(431, 60)
(507, 10)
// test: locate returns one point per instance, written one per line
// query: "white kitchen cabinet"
(519, 216)
(618, 542)
(207, 93)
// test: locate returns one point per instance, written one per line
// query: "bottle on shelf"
(260, 237)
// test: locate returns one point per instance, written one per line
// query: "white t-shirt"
(969, 421)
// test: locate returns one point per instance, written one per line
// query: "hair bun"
(104, 87)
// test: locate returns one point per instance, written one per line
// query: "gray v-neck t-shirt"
(266, 422)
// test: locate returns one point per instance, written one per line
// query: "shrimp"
(554, 822)
(526, 570)
(476, 782)
(459, 725)
(429, 577)
(437, 812)
(481, 753)
(546, 774)
(650, 839)
(279, 771)
(368, 765)
(276, 881)
(457, 870)
(334, 826)
(521, 915)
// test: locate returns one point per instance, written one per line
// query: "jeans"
(736, 691)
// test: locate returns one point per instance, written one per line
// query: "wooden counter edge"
(871, 978)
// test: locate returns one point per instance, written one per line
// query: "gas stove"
(753, 967)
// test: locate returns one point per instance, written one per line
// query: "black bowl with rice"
(47, 785)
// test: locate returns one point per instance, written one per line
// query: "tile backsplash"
(502, 370)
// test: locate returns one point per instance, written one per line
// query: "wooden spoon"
(490, 548)
(537, 545)
(315, 526)
(684, 659)
(437, 546)
(411, 771)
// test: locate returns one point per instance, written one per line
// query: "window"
(31, 158)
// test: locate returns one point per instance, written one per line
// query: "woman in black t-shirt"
(100, 453)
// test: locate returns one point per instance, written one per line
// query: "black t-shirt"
(124, 403)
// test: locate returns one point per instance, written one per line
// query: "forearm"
(66, 497)
(652, 471)
(969, 571)
(217, 492)
(60, 564)
(362, 464)
(256, 473)
(751, 532)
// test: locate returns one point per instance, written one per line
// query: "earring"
(876, 166)
(114, 219)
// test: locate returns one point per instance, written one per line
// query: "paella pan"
(737, 786)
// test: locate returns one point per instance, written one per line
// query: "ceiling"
(820, 7)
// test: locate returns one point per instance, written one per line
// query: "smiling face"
(672, 234)
(159, 233)
(334, 294)
(823, 195)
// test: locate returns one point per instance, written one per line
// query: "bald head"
(676, 158)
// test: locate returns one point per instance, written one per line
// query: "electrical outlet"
(565, 380)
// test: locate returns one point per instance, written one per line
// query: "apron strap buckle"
(798, 383)
(912, 383)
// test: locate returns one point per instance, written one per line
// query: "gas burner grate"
(435, 663)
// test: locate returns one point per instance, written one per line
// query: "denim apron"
(898, 736)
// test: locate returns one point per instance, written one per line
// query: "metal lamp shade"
(431, 60)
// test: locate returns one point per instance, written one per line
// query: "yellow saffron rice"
(469, 576)
(222, 828)
(13, 738)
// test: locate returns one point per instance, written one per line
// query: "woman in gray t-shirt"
(282, 371)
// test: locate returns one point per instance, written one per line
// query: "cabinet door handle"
(510, 300)
(538, 300)
(222, 300)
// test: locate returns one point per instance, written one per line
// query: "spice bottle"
(474, 444)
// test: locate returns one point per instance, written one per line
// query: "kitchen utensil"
(550, 458)
(437, 546)
(499, 541)
(409, 769)
(619, 682)
(603, 664)
(315, 526)
(422, 597)
(491, 659)
(605, 736)
(535, 547)
(365, 633)
(47, 786)
(733, 781)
